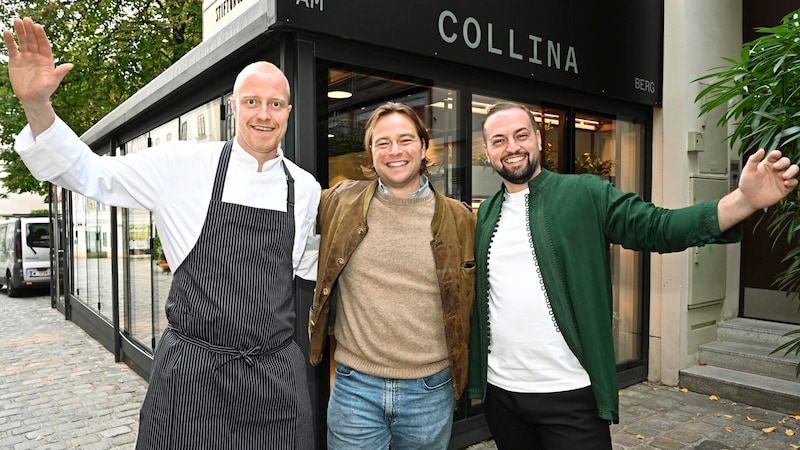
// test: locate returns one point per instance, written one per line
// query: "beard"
(518, 176)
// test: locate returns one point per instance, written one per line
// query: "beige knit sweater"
(389, 314)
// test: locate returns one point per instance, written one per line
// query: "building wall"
(696, 36)
(21, 204)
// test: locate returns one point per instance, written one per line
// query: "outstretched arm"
(32, 71)
(764, 182)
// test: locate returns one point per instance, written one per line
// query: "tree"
(762, 91)
(117, 46)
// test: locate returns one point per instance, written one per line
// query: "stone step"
(742, 387)
(749, 358)
(752, 331)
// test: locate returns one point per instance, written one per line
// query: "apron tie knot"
(231, 354)
(247, 355)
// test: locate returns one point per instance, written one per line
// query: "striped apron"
(226, 373)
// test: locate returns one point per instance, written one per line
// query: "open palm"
(31, 67)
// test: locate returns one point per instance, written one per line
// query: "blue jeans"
(371, 413)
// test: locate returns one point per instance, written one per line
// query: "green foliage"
(761, 91)
(346, 141)
(117, 46)
(158, 248)
(586, 163)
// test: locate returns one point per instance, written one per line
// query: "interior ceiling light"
(339, 94)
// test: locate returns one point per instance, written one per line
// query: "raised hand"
(32, 72)
(766, 178)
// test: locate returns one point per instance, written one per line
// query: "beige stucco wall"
(696, 36)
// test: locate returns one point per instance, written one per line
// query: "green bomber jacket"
(342, 224)
(573, 219)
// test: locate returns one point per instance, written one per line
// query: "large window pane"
(80, 286)
(92, 262)
(202, 124)
(136, 266)
(161, 275)
(612, 148)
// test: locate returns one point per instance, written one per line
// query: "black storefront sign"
(612, 49)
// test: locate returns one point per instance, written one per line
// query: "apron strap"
(222, 169)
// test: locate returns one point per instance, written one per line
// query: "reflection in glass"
(595, 146)
(627, 139)
(137, 266)
(195, 124)
(92, 260)
(79, 207)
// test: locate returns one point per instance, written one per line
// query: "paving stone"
(710, 445)
(681, 435)
(664, 443)
(116, 431)
(8, 441)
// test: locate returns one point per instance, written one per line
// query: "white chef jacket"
(174, 181)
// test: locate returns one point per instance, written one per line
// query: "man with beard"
(541, 349)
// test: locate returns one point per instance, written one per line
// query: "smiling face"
(512, 146)
(397, 153)
(261, 106)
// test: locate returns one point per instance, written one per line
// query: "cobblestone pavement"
(60, 389)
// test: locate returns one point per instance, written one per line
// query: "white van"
(24, 253)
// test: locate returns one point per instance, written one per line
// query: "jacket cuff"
(732, 235)
(45, 155)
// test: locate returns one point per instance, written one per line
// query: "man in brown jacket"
(397, 271)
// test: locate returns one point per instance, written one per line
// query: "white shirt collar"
(246, 159)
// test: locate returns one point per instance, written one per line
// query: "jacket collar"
(538, 183)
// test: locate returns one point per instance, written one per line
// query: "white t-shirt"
(174, 181)
(527, 353)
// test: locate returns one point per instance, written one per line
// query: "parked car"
(25, 253)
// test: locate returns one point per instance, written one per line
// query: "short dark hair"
(503, 106)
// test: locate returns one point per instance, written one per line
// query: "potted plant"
(761, 90)
(158, 254)
(586, 163)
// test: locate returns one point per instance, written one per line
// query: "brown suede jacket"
(342, 223)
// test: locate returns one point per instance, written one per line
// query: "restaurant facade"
(611, 85)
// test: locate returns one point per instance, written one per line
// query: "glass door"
(352, 95)
(612, 147)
